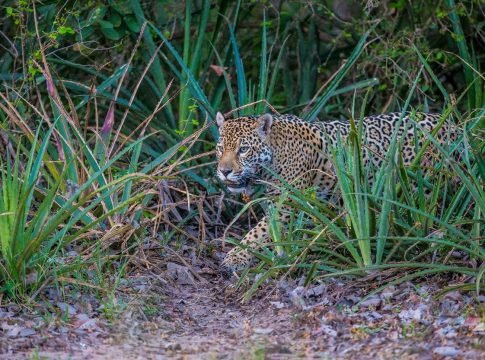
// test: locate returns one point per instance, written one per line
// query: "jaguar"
(270, 149)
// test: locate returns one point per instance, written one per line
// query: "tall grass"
(36, 222)
(81, 177)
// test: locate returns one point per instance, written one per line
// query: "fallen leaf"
(446, 351)
(66, 308)
(277, 304)
(325, 329)
(180, 274)
(89, 324)
(262, 331)
(27, 332)
(373, 301)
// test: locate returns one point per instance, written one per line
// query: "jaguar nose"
(225, 172)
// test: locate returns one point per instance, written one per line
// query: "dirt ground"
(179, 311)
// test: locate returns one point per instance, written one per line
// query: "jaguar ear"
(219, 119)
(264, 125)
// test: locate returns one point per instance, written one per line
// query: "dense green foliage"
(121, 93)
(236, 53)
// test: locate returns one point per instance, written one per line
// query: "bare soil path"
(198, 317)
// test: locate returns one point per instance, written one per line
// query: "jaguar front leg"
(239, 259)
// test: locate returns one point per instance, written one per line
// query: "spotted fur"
(298, 151)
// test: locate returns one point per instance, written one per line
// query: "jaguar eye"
(243, 149)
(220, 148)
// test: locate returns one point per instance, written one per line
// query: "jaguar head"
(242, 150)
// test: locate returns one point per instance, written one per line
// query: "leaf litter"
(192, 313)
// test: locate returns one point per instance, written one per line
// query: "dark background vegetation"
(306, 43)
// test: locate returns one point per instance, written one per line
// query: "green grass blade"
(263, 69)
(329, 91)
